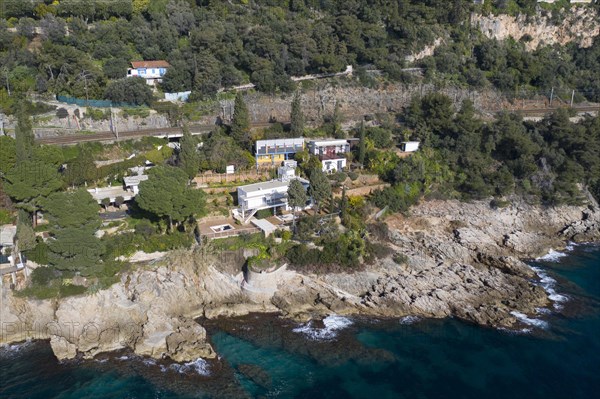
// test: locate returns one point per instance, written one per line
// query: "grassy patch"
(6, 216)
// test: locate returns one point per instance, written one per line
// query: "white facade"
(152, 71)
(333, 165)
(332, 153)
(265, 195)
(409, 146)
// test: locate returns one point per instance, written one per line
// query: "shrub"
(400, 259)
(286, 235)
(377, 251)
(39, 254)
(41, 276)
(379, 231)
(339, 177)
(119, 201)
(264, 213)
(353, 175)
(301, 255)
(71, 290)
(6, 217)
(145, 228)
(97, 114)
(497, 203)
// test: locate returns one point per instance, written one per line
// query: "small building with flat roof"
(409, 146)
(331, 153)
(274, 152)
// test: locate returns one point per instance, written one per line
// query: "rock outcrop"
(463, 261)
(580, 25)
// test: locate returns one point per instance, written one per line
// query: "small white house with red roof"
(152, 71)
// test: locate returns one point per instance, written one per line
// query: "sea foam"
(549, 284)
(523, 318)
(11, 349)
(199, 366)
(406, 320)
(552, 256)
(332, 325)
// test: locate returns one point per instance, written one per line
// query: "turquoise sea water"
(557, 355)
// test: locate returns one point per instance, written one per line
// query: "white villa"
(128, 191)
(332, 153)
(152, 71)
(267, 195)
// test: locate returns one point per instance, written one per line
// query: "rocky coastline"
(464, 260)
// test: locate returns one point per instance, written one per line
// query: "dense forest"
(545, 161)
(83, 48)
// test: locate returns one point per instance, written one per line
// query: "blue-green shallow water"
(261, 356)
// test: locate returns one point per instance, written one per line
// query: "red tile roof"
(150, 64)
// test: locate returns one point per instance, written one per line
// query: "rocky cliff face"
(580, 25)
(462, 262)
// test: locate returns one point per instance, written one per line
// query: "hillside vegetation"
(212, 44)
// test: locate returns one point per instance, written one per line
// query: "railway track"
(130, 134)
(203, 129)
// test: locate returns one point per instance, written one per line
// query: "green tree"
(240, 125)
(343, 204)
(296, 197)
(189, 159)
(362, 145)
(319, 188)
(115, 68)
(25, 233)
(129, 90)
(23, 135)
(8, 153)
(31, 181)
(167, 195)
(297, 117)
(336, 122)
(74, 220)
(82, 169)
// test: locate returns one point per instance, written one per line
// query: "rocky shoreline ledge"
(463, 261)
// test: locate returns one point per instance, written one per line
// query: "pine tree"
(240, 126)
(343, 204)
(31, 181)
(296, 197)
(167, 195)
(320, 188)
(297, 117)
(189, 159)
(338, 132)
(23, 135)
(362, 146)
(74, 220)
(25, 234)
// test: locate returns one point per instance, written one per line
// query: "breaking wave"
(199, 366)
(552, 256)
(332, 325)
(523, 318)
(409, 320)
(549, 285)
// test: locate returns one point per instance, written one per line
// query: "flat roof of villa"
(279, 146)
(324, 143)
(134, 180)
(7, 234)
(268, 185)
